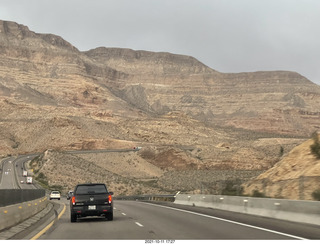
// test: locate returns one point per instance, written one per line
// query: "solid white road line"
(229, 221)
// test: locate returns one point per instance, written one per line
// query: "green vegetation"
(281, 151)
(316, 195)
(315, 147)
(256, 193)
(43, 181)
(56, 187)
(232, 188)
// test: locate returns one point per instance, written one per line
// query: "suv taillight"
(73, 200)
(110, 198)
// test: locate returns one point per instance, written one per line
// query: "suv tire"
(73, 218)
(109, 216)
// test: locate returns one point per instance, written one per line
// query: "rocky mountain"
(193, 123)
(278, 101)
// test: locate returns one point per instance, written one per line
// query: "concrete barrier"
(292, 210)
(161, 198)
(14, 196)
(11, 215)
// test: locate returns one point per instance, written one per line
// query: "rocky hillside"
(277, 102)
(296, 176)
(131, 173)
(188, 118)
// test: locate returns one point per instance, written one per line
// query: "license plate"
(92, 207)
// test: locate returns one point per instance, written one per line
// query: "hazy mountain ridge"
(186, 115)
(211, 96)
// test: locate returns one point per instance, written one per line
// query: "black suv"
(91, 200)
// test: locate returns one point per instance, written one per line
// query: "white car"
(55, 195)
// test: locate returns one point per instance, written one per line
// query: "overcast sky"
(226, 35)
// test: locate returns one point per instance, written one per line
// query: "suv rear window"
(91, 189)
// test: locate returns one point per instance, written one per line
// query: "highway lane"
(11, 173)
(8, 178)
(19, 162)
(135, 220)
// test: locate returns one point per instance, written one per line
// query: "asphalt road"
(135, 220)
(11, 173)
(8, 179)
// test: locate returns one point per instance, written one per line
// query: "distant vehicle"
(69, 194)
(91, 200)
(29, 180)
(55, 195)
(21, 182)
(25, 173)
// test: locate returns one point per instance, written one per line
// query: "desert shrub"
(315, 147)
(232, 188)
(281, 151)
(42, 180)
(41, 176)
(56, 187)
(316, 195)
(257, 193)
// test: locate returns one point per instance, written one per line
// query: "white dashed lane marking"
(137, 223)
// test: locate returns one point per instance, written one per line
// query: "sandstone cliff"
(296, 176)
(277, 102)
